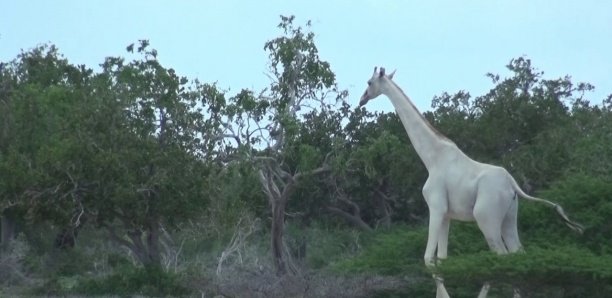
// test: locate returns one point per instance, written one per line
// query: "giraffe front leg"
(435, 224)
(438, 206)
(436, 230)
(442, 251)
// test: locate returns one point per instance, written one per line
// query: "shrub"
(586, 199)
(568, 269)
(320, 245)
(12, 271)
(562, 269)
(134, 281)
(396, 251)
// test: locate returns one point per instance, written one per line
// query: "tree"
(153, 159)
(126, 149)
(39, 90)
(379, 174)
(265, 129)
(521, 123)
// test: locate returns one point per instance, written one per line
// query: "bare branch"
(34, 194)
(319, 170)
(259, 130)
(238, 241)
(384, 196)
(227, 136)
(120, 240)
(77, 221)
(353, 219)
(354, 207)
(269, 188)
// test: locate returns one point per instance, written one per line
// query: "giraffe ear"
(392, 74)
(382, 72)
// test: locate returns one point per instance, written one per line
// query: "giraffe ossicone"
(458, 187)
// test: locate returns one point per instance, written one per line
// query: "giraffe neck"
(425, 139)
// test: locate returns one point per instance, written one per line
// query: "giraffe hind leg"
(510, 230)
(511, 237)
(490, 226)
(489, 217)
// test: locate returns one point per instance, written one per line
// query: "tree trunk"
(278, 226)
(383, 205)
(146, 255)
(353, 219)
(385, 220)
(66, 238)
(278, 197)
(154, 255)
(354, 216)
(146, 252)
(8, 228)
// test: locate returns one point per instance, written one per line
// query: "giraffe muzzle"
(364, 99)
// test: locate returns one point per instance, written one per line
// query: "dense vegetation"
(136, 180)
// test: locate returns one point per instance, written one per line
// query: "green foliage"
(324, 244)
(67, 263)
(135, 281)
(236, 193)
(400, 249)
(567, 268)
(521, 123)
(574, 271)
(126, 281)
(378, 169)
(414, 290)
(394, 252)
(586, 199)
(118, 148)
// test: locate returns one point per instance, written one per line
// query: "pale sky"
(436, 46)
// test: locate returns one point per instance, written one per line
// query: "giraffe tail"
(571, 224)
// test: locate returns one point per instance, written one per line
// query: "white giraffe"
(458, 187)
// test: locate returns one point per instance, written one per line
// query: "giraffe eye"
(369, 83)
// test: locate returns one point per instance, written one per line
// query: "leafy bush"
(569, 270)
(586, 199)
(67, 262)
(326, 245)
(397, 251)
(401, 249)
(12, 271)
(134, 281)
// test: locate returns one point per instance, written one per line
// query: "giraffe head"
(375, 85)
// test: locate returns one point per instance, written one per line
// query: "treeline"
(137, 152)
